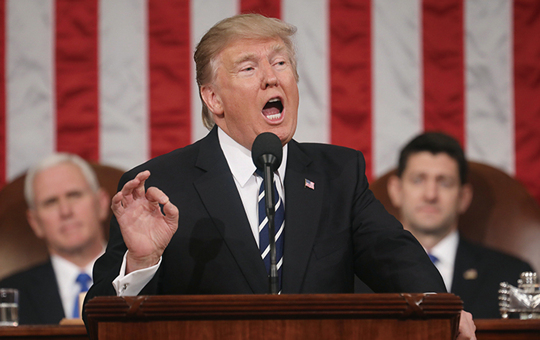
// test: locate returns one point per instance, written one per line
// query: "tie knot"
(433, 258)
(83, 280)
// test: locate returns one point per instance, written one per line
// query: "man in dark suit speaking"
(187, 222)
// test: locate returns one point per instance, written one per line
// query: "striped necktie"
(279, 222)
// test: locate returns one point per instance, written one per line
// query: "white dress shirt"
(445, 251)
(248, 184)
(66, 276)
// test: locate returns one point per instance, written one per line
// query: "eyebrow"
(277, 48)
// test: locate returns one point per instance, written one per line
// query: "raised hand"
(145, 229)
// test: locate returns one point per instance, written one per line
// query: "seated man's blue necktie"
(433, 258)
(279, 221)
(84, 281)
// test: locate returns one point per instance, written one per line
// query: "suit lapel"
(302, 212)
(466, 281)
(49, 308)
(220, 196)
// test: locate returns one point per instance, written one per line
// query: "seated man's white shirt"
(248, 184)
(445, 251)
(66, 276)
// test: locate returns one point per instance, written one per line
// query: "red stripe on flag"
(527, 93)
(2, 93)
(77, 113)
(444, 75)
(269, 8)
(350, 76)
(170, 78)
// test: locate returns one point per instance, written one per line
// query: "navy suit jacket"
(39, 298)
(478, 271)
(332, 232)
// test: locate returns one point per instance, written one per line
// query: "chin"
(284, 135)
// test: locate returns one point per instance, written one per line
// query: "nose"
(65, 208)
(431, 191)
(269, 77)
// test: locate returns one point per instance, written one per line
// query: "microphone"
(267, 154)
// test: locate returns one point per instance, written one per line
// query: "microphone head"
(267, 149)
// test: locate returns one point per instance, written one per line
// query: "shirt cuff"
(132, 283)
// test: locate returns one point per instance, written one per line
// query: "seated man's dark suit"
(39, 299)
(332, 232)
(478, 271)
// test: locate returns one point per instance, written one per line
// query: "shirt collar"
(445, 250)
(66, 272)
(240, 161)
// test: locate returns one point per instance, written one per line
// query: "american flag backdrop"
(113, 80)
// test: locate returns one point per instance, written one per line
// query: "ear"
(394, 187)
(212, 100)
(33, 221)
(466, 196)
(104, 204)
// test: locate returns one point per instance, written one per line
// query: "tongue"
(270, 111)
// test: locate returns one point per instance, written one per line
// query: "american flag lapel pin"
(309, 184)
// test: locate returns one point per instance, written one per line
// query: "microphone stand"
(270, 213)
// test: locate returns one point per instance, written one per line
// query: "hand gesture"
(145, 229)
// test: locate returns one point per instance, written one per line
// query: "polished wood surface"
(496, 329)
(44, 332)
(503, 329)
(338, 316)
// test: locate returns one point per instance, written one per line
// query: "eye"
(280, 63)
(447, 182)
(49, 202)
(416, 179)
(75, 195)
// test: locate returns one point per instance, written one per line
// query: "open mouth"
(272, 110)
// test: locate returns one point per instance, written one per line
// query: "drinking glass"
(9, 307)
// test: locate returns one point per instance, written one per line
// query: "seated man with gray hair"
(66, 209)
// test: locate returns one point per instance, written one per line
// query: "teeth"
(276, 116)
(273, 100)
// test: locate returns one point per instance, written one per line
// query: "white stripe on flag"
(123, 86)
(489, 99)
(30, 99)
(201, 20)
(396, 80)
(311, 19)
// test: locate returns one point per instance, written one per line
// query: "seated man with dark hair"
(430, 189)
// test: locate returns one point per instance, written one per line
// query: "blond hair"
(243, 26)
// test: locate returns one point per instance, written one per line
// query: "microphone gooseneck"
(267, 154)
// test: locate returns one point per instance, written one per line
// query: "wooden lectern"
(336, 316)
